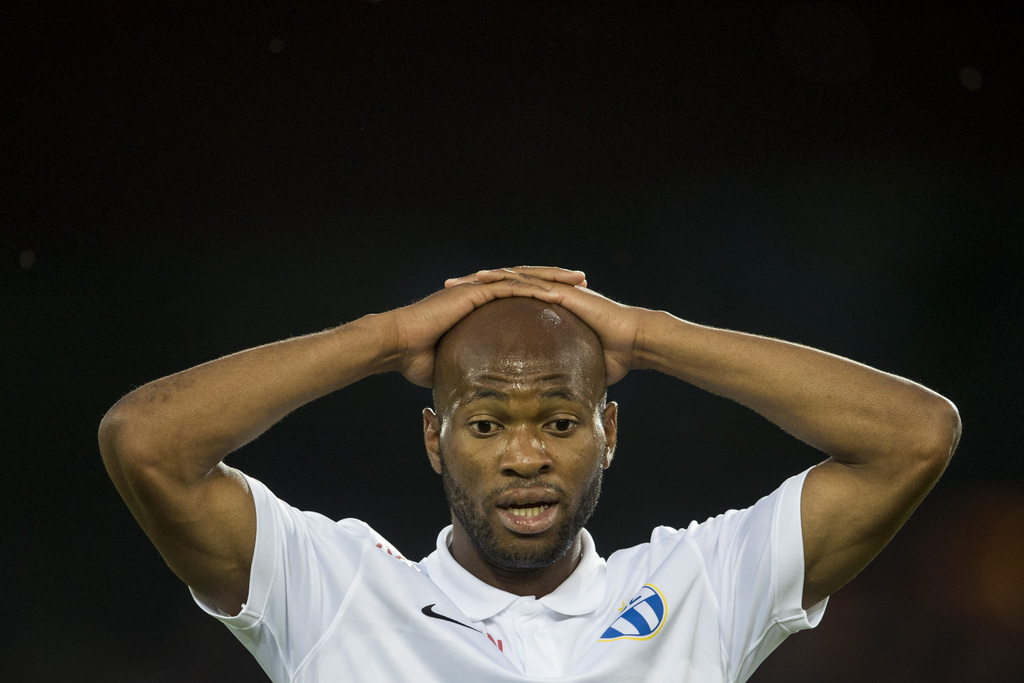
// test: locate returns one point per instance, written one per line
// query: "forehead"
(518, 345)
(477, 370)
(564, 374)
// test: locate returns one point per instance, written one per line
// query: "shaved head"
(521, 433)
(518, 336)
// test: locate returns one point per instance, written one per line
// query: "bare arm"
(888, 438)
(164, 443)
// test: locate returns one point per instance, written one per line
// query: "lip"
(527, 495)
(533, 496)
(529, 525)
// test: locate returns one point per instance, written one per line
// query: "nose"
(525, 454)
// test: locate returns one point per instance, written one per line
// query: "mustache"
(533, 482)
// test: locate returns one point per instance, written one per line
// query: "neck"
(537, 582)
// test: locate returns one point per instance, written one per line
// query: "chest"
(650, 628)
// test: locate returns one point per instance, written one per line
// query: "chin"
(525, 555)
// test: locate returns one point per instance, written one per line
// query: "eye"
(484, 426)
(563, 426)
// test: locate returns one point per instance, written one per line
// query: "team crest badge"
(641, 618)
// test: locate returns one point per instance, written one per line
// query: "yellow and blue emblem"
(641, 618)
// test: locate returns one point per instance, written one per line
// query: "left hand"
(620, 328)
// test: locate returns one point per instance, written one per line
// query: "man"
(520, 432)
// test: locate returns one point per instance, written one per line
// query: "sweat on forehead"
(519, 334)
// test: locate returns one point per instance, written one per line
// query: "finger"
(552, 273)
(468, 279)
(482, 276)
(549, 273)
(472, 278)
(483, 292)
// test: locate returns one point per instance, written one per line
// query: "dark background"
(181, 183)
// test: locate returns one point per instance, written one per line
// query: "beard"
(522, 553)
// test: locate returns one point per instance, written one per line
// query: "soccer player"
(521, 431)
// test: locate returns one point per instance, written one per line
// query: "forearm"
(852, 412)
(184, 424)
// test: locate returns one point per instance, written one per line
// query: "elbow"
(948, 428)
(135, 460)
(142, 446)
(955, 427)
(939, 436)
(115, 437)
(124, 442)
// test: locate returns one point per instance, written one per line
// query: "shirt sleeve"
(754, 559)
(302, 566)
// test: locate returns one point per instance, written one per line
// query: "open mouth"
(528, 511)
(527, 501)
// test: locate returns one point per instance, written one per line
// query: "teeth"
(529, 512)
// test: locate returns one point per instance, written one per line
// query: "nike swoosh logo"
(429, 611)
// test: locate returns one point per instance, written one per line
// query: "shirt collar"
(578, 594)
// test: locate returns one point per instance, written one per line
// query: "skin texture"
(521, 416)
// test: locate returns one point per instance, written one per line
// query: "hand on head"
(421, 325)
(619, 327)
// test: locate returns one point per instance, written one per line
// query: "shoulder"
(775, 513)
(286, 534)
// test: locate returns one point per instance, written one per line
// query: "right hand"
(419, 326)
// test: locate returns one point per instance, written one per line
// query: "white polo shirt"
(332, 601)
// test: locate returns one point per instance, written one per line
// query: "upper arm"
(204, 526)
(849, 512)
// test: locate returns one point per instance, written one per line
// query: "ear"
(611, 431)
(432, 438)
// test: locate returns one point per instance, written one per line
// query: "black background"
(183, 182)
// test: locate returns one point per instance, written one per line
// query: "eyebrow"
(483, 393)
